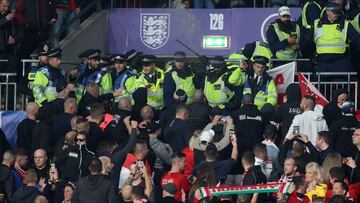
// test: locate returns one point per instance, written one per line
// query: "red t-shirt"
(189, 160)
(181, 183)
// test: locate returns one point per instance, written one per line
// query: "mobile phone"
(232, 134)
(296, 130)
(139, 164)
(52, 168)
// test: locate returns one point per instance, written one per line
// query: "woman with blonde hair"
(331, 160)
(314, 178)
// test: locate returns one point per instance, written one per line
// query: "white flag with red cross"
(283, 76)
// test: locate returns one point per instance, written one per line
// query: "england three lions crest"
(154, 29)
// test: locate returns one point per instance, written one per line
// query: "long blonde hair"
(314, 167)
(331, 160)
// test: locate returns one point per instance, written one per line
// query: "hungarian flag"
(307, 88)
(283, 76)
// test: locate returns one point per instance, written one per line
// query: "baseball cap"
(207, 136)
(180, 56)
(180, 96)
(284, 10)
(170, 188)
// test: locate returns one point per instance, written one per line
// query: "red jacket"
(189, 160)
(298, 198)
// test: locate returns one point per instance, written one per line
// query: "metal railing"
(7, 83)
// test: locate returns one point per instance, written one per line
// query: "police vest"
(48, 92)
(120, 82)
(217, 94)
(262, 49)
(155, 91)
(100, 77)
(31, 77)
(329, 39)
(186, 84)
(355, 23)
(304, 20)
(266, 94)
(286, 53)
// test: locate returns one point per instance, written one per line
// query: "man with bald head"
(200, 111)
(7, 180)
(62, 122)
(25, 127)
(42, 166)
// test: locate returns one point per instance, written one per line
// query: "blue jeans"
(66, 23)
(200, 4)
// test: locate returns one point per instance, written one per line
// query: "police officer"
(134, 60)
(331, 35)
(180, 76)
(217, 88)
(152, 78)
(119, 74)
(92, 72)
(309, 13)
(257, 48)
(48, 78)
(260, 84)
(283, 37)
(42, 55)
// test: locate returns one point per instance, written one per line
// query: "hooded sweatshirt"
(310, 123)
(96, 189)
(287, 111)
(332, 111)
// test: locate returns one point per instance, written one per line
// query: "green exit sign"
(215, 42)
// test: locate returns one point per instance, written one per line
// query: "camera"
(139, 164)
(296, 130)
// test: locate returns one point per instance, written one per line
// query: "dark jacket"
(119, 156)
(4, 144)
(254, 176)
(73, 162)
(26, 194)
(287, 111)
(87, 100)
(24, 134)
(169, 200)
(354, 174)
(249, 116)
(94, 136)
(319, 156)
(199, 116)
(96, 189)
(42, 137)
(178, 134)
(140, 99)
(7, 182)
(341, 132)
(35, 15)
(61, 125)
(6, 30)
(167, 116)
(116, 130)
(332, 111)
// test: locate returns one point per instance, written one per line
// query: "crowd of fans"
(125, 130)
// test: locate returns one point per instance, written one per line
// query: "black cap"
(119, 58)
(217, 60)
(180, 56)
(132, 53)
(94, 54)
(55, 53)
(84, 55)
(169, 188)
(331, 6)
(105, 60)
(148, 59)
(261, 60)
(43, 49)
